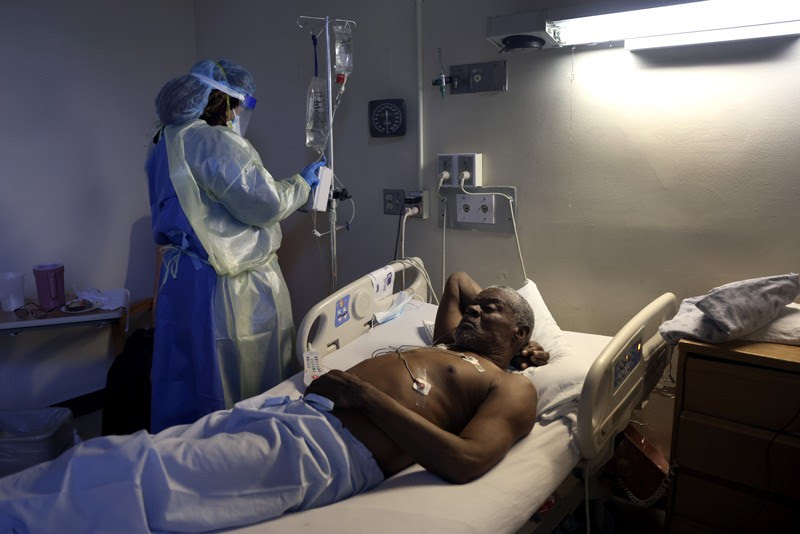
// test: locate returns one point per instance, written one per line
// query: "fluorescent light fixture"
(714, 36)
(690, 23)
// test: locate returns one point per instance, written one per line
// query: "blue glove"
(309, 174)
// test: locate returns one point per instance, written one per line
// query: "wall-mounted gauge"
(387, 118)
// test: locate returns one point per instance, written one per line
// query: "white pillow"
(559, 382)
(545, 329)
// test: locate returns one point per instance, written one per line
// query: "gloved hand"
(310, 173)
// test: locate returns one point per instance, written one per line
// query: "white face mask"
(235, 125)
(396, 309)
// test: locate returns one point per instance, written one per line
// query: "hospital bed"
(587, 393)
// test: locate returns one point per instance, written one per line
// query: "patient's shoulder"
(517, 391)
(518, 382)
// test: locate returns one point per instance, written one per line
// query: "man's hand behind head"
(533, 355)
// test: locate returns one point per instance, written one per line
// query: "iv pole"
(332, 199)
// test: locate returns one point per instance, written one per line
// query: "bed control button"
(342, 311)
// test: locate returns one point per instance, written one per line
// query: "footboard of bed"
(618, 381)
(347, 314)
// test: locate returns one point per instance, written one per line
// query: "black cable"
(397, 239)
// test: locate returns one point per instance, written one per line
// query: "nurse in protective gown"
(223, 329)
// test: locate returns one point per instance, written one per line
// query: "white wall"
(636, 174)
(78, 84)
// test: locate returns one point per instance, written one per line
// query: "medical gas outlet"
(477, 209)
(456, 170)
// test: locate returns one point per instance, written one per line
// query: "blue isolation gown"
(223, 328)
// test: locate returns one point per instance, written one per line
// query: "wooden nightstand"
(736, 462)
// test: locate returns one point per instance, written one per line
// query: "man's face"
(487, 327)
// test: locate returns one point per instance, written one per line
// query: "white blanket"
(266, 456)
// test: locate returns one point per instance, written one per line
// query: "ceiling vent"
(520, 31)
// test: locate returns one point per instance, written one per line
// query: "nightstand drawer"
(737, 453)
(729, 509)
(785, 466)
(745, 394)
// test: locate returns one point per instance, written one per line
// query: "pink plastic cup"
(49, 284)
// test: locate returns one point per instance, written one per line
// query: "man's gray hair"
(520, 309)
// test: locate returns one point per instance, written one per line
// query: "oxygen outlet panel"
(477, 209)
(494, 217)
(478, 77)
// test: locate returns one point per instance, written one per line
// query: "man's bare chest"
(446, 387)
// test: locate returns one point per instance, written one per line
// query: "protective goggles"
(247, 103)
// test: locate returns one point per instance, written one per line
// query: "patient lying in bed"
(451, 408)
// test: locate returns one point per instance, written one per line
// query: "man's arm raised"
(506, 415)
(459, 291)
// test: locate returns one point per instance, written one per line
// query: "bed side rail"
(615, 384)
(347, 314)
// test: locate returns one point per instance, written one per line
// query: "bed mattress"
(415, 500)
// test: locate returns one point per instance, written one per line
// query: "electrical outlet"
(393, 201)
(421, 200)
(446, 169)
(475, 209)
(469, 168)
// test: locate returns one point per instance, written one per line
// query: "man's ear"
(521, 333)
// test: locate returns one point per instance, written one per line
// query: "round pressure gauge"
(387, 118)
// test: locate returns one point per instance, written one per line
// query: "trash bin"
(29, 437)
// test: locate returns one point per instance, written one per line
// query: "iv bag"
(344, 51)
(317, 114)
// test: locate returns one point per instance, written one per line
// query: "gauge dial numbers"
(387, 118)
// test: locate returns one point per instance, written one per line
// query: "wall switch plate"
(393, 201)
(477, 209)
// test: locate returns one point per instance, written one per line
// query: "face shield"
(242, 112)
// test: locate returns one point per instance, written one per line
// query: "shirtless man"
(453, 409)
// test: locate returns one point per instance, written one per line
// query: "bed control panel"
(342, 311)
(627, 362)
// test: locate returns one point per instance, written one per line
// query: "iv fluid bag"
(344, 49)
(317, 114)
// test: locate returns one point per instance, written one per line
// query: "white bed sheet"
(415, 500)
